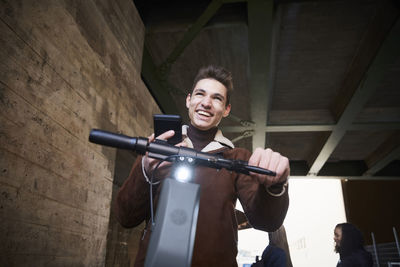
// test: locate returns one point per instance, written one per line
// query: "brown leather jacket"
(216, 235)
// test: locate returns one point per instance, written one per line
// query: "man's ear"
(227, 110)
(188, 100)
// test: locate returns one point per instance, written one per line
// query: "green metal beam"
(157, 87)
(388, 53)
(314, 127)
(189, 36)
(156, 78)
(393, 155)
(260, 16)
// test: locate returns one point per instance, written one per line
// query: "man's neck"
(201, 138)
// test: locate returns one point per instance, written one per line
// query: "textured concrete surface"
(65, 67)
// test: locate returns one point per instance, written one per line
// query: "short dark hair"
(219, 74)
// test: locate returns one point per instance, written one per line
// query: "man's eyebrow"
(203, 91)
(219, 95)
(199, 89)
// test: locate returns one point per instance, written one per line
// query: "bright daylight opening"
(316, 206)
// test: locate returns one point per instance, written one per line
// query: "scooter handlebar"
(162, 150)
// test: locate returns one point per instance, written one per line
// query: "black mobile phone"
(164, 123)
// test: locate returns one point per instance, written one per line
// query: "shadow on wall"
(122, 243)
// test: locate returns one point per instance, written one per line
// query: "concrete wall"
(122, 243)
(65, 67)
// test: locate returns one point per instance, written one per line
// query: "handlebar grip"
(260, 170)
(112, 139)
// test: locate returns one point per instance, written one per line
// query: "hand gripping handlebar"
(160, 149)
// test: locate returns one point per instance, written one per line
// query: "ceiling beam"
(378, 28)
(315, 128)
(374, 126)
(388, 145)
(157, 77)
(281, 128)
(387, 152)
(260, 21)
(156, 86)
(189, 36)
(386, 56)
(393, 155)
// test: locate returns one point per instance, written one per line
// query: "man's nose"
(206, 102)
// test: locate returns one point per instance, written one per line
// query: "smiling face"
(337, 237)
(207, 104)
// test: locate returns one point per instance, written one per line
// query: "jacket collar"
(219, 142)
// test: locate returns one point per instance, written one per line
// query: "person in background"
(277, 253)
(349, 243)
(273, 256)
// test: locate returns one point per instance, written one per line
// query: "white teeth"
(204, 113)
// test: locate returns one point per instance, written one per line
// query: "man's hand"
(150, 163)
(272, 161)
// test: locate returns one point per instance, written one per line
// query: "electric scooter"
(174, 228)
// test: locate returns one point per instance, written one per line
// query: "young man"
(349, 243)
(264, 198)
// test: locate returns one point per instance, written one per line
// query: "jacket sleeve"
(132, 204)
(264, 212)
